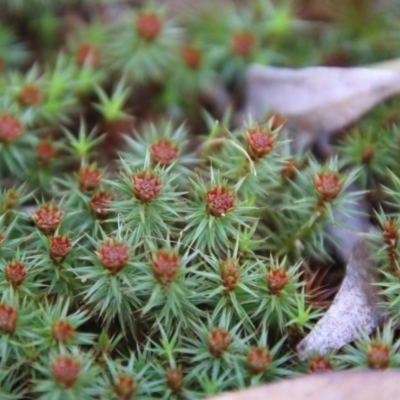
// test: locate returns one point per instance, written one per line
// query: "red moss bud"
(192, 57)
(148, 26)
(319, 364)
(66, 371)
(165, 266)
(8, 319)
(229, 274)
(289, 170)
(88, 55)
(276, 280)
(218, 342)
(328, 186)
(10, 128)
(174, 379)
(258, 360)
(390, 232)
(125, 387)
(243, 44)
(45, 152)
(15, 274)
(163, 152)
(278, 120)
(89, 178)
(260, 143)
(48, 219)
(63, 332)
(146, 187)
(100, 205)
(378, 356)
(29, 95)
(113, 255)
(219, 201)
(59, 248)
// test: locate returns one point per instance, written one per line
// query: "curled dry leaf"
(344, 385)
(317, 101)
(355, 307)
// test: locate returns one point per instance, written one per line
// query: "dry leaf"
(317, 101)
(344, 385)
(355, 307)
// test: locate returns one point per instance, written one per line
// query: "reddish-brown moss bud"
(146, 187)
(66, 371)
(100, 205)
(174, 379)
(148, 26)
(163, 152)
(48, 219)
(260, 143)
(10, 128)
(29, 95)
(8, 319)
(319, 364)
(113, 255)
(88, 55)
(378, 356)
(165, 266)
(328, 186)
(289, 170)
(219, 201)
(59, 248)
(63, 332)
(229, 274)
(243, 44)
(192, 57)
(258, 360)
(45, 152)
(277, 280)
(125, 387)
(15, 274)
(390, 232)
(367, 154)
(10, 200)
(218, 342)
(89, 178)
(278, 121)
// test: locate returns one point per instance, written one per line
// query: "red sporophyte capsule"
(15, 273)
(258, 360)
(218, 342)
(390, 232)
(319, 364)
(88, 55)
(260, 143)
(165, 267)
(66, 371)
(328, 185)
(378, 356)
(125, 387)
(63, 332)
(219, 201)
(148, 26)
(59, 248)
(174, 379)
(146, 187)
(243, 43)
(229, 273)
(45, 152)
(100, 204)
(113, 255)
(89, 178)
(192, 57)
(10, 128)
(8, 319)
(48, 219)
(163, 152)
(276, 280)
(29, 95)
